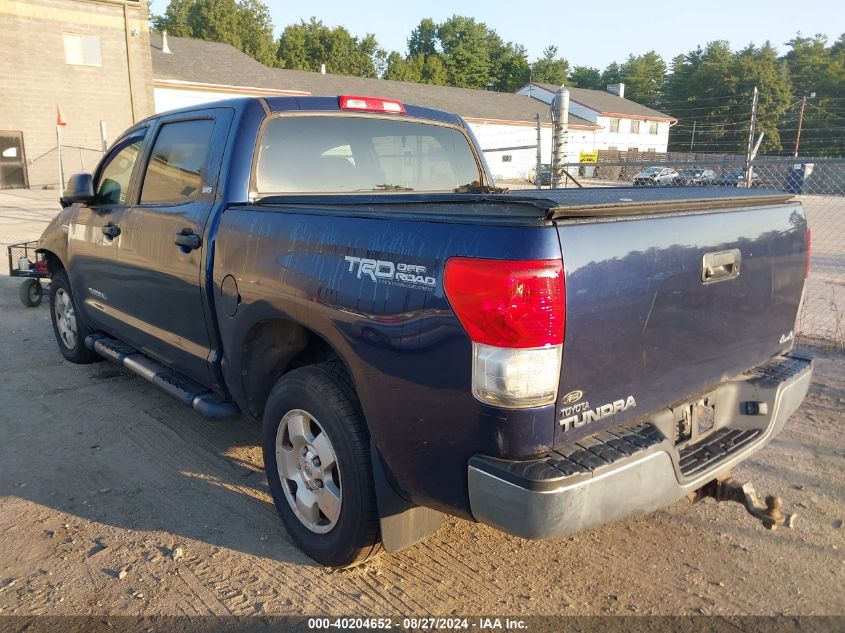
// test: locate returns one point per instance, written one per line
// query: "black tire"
(325, 392)
(31, 293)
(76, 353)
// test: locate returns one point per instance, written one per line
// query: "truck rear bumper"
(636, 470)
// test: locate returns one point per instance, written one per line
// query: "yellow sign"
(589, 157)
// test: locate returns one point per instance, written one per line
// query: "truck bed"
(531, 206)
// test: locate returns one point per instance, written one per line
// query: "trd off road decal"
(391, 273)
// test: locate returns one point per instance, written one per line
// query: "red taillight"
(371, 104)
(507, 303)
(807, 262)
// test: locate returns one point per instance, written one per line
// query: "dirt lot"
(102, 477)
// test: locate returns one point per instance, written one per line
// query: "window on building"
(614, 126)
(174, 173)
(635, 127)
(506, 158)
(652, 127)
(83, 50)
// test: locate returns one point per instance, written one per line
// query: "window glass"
(635, 127)
(313, 154)
(82, 50)
(174, 173)
(652, 127)
(614, 125)
(115, 175)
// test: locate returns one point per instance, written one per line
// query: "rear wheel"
(69, 329)
(317, 458)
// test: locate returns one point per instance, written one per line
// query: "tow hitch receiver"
(726, 488)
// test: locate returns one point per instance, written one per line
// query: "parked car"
(695, 176)
(414, 341)
(545, 175)
(737, 178)
(655, 176)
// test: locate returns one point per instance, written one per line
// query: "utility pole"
(537, 178)
(800, 125)
(560, 123)
(749, 157)
(692, 138)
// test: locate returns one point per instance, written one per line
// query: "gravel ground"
(115, 500)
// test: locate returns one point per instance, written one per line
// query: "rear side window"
(177, 162)
(316, 154)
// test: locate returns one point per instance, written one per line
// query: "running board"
(185, 390)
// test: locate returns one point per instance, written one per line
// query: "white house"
(188, 72)
(621, 123)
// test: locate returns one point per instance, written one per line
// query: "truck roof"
(308, 104)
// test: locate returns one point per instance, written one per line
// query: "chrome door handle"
(720, 266)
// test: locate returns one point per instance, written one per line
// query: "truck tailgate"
(662, 307)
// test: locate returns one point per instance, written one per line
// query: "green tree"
(466, 52)
(509, 68)
(246, 24)
(550, 69)
(174, 20)
(760, 67)
(586, 77)
(308, 45)
(423, 40)
(644, 76)
(612, 74)
(256, 29)
(817, 72)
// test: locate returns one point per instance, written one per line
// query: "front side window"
(115, 174)
(345, 154)
(175, 171)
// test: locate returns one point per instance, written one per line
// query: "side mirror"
(80, 188)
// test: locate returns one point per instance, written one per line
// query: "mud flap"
(402, 523)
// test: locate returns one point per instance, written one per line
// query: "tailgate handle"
(720, 266)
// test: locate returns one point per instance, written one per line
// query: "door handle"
(720, 266)
(111, 230)
(189, 241)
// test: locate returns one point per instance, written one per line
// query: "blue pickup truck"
(416, 341)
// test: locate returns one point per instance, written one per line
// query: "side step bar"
(185, 390)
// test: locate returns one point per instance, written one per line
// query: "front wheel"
(69, 329)
(317, 459)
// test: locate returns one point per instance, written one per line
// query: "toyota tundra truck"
(417, 342)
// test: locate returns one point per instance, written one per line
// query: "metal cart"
(25, 262)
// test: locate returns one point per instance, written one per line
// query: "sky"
(586, 33)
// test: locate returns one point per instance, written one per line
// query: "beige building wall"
(35, 76)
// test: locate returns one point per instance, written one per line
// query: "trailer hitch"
(726, 488)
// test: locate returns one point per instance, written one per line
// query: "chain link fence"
(819, 184)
